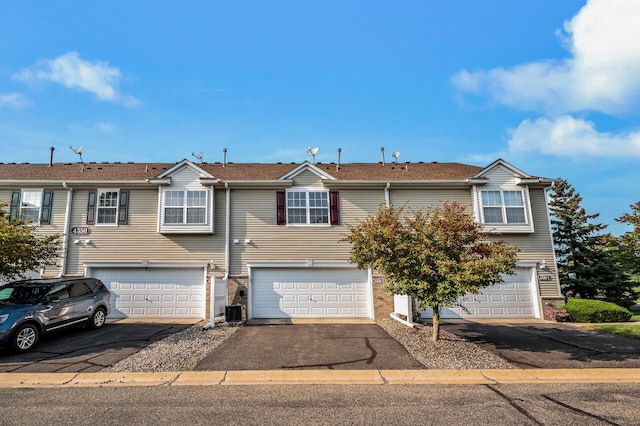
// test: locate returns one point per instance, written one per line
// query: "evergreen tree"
(630, 240)
(587, 261)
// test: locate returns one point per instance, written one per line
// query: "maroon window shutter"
(334, 207)
(281, 208)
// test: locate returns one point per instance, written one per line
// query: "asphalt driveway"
(82, 350)
(542, 344)
(309, 346)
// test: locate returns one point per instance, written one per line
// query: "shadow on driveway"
(309, 346)
(550, 345)
(82, 350)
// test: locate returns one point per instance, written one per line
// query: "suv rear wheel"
(25, 337)
(98, 318)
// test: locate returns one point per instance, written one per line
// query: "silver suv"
(30, 308)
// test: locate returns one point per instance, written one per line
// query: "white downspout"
(227, 231)
(387, 198)
(67, 224)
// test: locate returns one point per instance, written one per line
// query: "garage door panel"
(510, 299)
(318, 292)
(161, 292)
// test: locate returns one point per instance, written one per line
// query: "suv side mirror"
(53, 299)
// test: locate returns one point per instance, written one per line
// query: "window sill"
(508, 229)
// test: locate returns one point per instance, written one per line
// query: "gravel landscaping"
(182, 351)
(449, 353)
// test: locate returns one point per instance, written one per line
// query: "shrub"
(583, 310)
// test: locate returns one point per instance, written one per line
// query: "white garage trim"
(516, 297)
(305, 293)
(145, 289)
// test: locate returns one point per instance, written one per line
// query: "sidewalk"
(321, 377)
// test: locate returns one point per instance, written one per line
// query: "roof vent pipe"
(224, 157)
(338, 165)
(382, 152)
(51, 156)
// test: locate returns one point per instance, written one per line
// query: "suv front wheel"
(98, 318)
(25, 337)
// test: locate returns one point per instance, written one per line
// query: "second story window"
(32, 205)
(503, 207)
(298, 207)
(185, 207)
(107, 207)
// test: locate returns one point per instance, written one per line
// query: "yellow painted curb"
(303, 377)
(199, 378)
(122, 379)
(424, 377)
(321, 377)
(32, 380)
(589, 375)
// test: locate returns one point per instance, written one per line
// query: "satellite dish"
(312, 152)
(78, 151)
(199, 156)
(395, 155)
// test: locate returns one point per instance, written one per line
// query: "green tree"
(588, 262)
(435, 256)
(22, 249)
(630, 240)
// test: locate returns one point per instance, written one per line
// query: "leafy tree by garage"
(434, 256)
(22, 249)
(589, 263)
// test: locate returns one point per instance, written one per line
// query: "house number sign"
(81, 230)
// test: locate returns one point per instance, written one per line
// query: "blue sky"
(550, 86)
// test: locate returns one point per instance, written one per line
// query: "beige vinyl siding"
(307, 178)
(253, 217)
(419, 199)
(139, 239)
(538, 246)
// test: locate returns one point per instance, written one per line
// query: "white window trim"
(38, 190)
(185, 206)
(307, 190)
(97, 215)
(182, 228)
(526, 227)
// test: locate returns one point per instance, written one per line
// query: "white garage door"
(155, 292)
(309, 293)
(514, 298)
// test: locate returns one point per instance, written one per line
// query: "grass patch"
(629, 330)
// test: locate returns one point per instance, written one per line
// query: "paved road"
(575, 404)
(550, 345)
(83, 350)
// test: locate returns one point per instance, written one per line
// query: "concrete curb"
(320, 377)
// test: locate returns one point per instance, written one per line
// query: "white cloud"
(568, 136)
(75, 73)
(602, 73)
(14, 100)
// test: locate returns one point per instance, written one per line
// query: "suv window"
(78, 289)
(61, 291)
